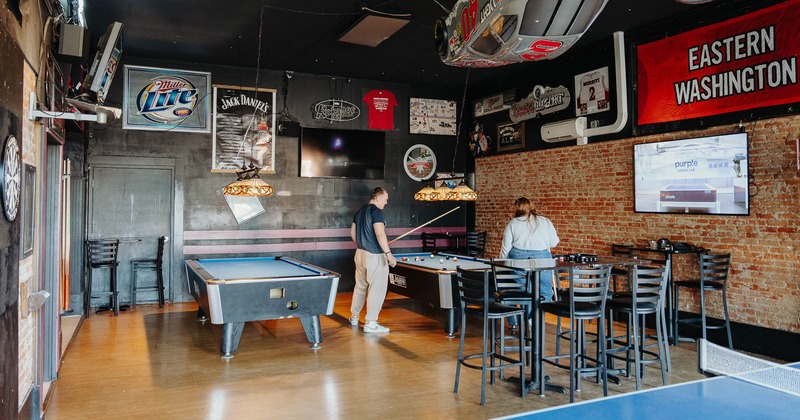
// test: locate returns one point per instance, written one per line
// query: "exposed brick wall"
(587, 191)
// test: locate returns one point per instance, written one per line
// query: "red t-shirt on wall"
(381, 105)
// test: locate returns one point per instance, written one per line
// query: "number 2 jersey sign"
(742, 63)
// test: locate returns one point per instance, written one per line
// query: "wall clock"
(420, 162)
(11, 178)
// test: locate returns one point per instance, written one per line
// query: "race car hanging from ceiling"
(491, 33)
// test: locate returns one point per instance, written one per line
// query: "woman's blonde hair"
(524, 207)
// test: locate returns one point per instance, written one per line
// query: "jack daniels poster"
(244, 129)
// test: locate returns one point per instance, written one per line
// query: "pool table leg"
(451, 322)
(201, 315)
(231, 334)
(312, 329)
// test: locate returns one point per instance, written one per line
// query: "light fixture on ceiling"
(444, 193)
(248, 183)
(374, 27)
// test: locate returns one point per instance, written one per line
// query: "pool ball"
(447, 257)
(405, 258)
(416, 258)
(441, 260)
(432, 255)
(455, 258)
(422, 258)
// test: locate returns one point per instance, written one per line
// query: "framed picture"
(446, 178)
(244, 129)
(510, 136)
(432, 116)
(166, 100)
(592, 93)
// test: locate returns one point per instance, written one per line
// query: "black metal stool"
(149, 264)
(100, 254)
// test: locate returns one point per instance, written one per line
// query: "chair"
(511, 289)
(646, 297)
(586, 301)
(617, 272)
(149, 264)
(429, 242)
(476, 244)
(713, 277)
(101, 254)
(477, 300)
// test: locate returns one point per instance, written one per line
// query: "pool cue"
(423, 225)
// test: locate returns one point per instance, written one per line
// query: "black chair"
(475, 244)
(101, 254)
(511, 289)
(586, 301)
(713, 277)
(646, 297)
(153, 265)
(428, 243)
(620, 272)
(477, 300)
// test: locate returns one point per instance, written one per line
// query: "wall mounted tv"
(334, 153)
(703, 175)
(104, 64)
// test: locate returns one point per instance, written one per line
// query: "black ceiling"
(301, 35)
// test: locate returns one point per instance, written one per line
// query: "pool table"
(232, 291)
(432, 281)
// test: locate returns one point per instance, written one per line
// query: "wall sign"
(166, 99)
(337, 110)
(742, 63)
(244, 129)
(12, 176)
(494, 103)
(419, 162)
(432, 116)
(541, 100)
(510, 136)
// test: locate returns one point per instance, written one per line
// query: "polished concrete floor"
(163, 363)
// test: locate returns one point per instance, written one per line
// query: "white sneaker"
(374, 327)
(354, 321)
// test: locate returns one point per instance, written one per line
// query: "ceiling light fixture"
(248, 183)
(444, 193)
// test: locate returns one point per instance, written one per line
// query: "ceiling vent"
(372, 29)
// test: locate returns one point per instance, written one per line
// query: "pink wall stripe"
(192, 235)
(286, 247)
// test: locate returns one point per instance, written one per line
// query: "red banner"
(742, 63)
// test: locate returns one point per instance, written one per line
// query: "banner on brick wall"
(742, 63)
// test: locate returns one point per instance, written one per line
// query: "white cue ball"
(441, 260)
(432, 255)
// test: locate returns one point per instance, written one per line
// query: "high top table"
(533, 267)
(668, 253)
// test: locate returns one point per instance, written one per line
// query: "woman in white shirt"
(529, 235)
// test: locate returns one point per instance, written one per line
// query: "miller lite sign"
(166, 99)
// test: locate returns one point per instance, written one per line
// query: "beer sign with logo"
(166, 99)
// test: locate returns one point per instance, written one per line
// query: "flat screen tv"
(334, 153)
(104, 64)
(703, 175)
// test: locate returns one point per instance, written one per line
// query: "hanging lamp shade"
(425, 194)
(464, 193)
(442, 193)
(253, 187)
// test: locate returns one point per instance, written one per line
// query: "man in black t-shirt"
(373, 259)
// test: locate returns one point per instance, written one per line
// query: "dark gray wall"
(313, 203)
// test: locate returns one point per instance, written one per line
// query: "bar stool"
(646, 297)
(511, 289)
(101, 254)
(153, 265)
(713, 277)
(587, 300)
(477, 300)
(476, 244)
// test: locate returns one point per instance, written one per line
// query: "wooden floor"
(164, 364)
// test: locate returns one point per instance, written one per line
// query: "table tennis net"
(719, 360)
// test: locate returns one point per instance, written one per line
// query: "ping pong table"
(718, 397)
